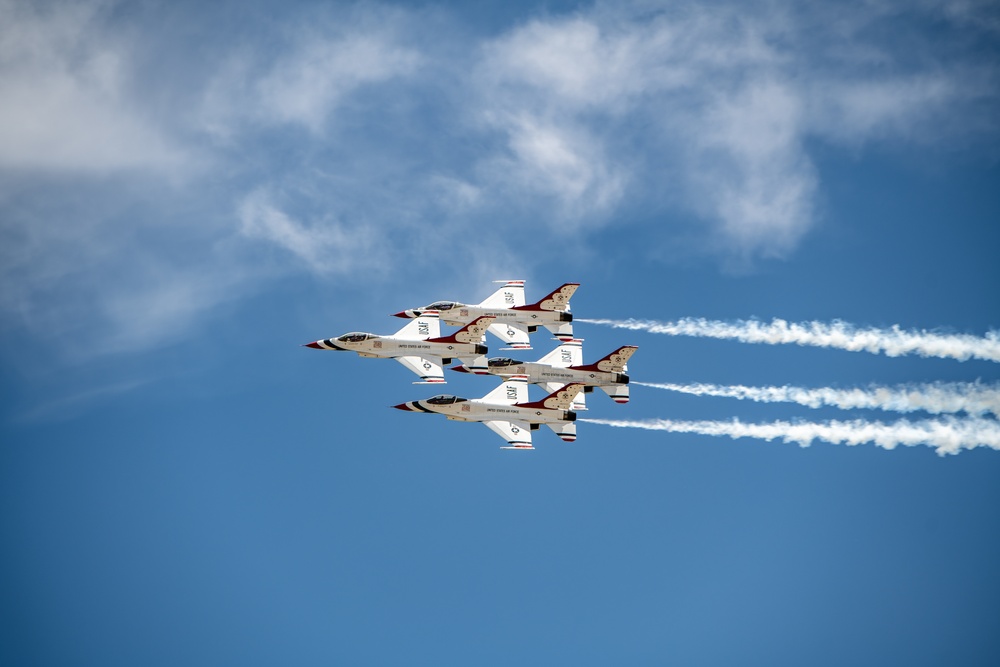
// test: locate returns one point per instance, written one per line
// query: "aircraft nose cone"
(405, 314)
(402, 406)
(460, 369)
(313, 345)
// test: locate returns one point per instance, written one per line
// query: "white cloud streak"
(946, 436)
(65, 95)
(144, 156)
(727, 97)
(972, 398)
(892, 342)
(68, 407)
(306, 83)
(325, 247)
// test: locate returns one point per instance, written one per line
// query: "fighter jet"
(419, 346)
(514, 319)
(564, 365)
(507, 412)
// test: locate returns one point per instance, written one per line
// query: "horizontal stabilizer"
(618, 392)
(563, 331)
(565, 430)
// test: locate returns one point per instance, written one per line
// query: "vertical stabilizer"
(618, 392)
(579, 403)
(558, 299)
(616, 362)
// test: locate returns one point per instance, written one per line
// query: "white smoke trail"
(947, 435)
(937, 398)
(892, 342)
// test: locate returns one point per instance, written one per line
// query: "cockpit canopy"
(354, 337)
(442, 305)
(503, 362)
(445, 399)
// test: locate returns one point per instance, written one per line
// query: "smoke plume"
(946, 435)
(892, 342)
(972, 398)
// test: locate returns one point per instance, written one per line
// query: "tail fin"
(511, 295)
(427, 325)
(579, 403)
(570, 353)
(478, 365)
(618, 392)
(613, 363)
(565, 430)
(560, 399)
(472, 332)
(558, 299)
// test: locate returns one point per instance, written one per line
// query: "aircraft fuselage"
(461, 314)
(474, 410)
(540, 373)
(373, 345)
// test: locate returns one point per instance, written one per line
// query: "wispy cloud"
(320, 66)
(324, 247)
(68, 407)
(728, 96)
(563, 165)
(66, 96)
(356, 133)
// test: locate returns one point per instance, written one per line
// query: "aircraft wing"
(429, 369)
(517, 434)
(512, 333)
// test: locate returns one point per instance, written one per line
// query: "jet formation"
(506, 410)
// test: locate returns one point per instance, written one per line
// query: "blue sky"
(187, 195)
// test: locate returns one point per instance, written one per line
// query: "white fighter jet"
(507, 412)
(564, 365)
(419, 346)
(514, 319)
